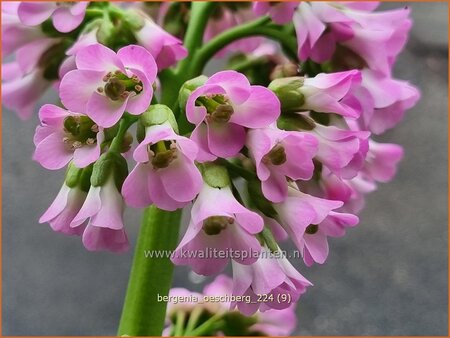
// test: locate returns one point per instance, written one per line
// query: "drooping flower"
(63, 210)
(219, 223)
(270, 322)
(225, 16)
(384, 101)
(165, 48)
(106, 84)
(165, 174)
(102, 214)
(382, 160)
(66, 16)
(278, 155)
(271, 276)
(63, 136)
(314, 241)
(347, 32)
(14, 33)
(300, 210)
(280, 12)
(328, 93)
(222, 108)
(27, 78)
(341, 150)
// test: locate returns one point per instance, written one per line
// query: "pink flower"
(106, 84)
(270, 276)
(222, 108)
(382, 160)
(300, 210)
(280, 12)
(278, 155)
(165, 174)
(329, 93)
(225, 18)
(218, 222)
(28, 77)
(63, 136)
(165, 48)
(384, 101)
(14, 33)
(377, 38)
(103, 213)
(315, 243)
(64, 208)
(84, 39)
(66, 16)
(270, 322)
(341, 151)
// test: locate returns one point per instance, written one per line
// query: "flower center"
(217, 106)
(162, 154)
(276, 156)
(215, 224)
(312, 229)
(79, 131)
(119, 86)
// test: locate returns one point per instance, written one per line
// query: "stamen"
(215, 224)
(90, 141)
(276, 156)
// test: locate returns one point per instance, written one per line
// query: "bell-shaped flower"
(165, 174)
(384, 101)
(220, 228)
(102, 217)
(280, 154)
(271, 276)
(165, 48)
(66, 16)
(63, 136)
(342, 151)
(280, 12)
(63, 210)
(106, 84)
(222, 108)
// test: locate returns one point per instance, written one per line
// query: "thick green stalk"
(143, 314)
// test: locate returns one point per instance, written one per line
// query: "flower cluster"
(207, 314)
(276, 147)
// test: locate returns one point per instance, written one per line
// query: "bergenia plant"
(276, 146)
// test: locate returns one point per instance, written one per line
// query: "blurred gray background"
(386, 277)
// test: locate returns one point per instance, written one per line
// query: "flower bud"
(188, 87)
(78, 177)
(158, 114)
(110, 163)
(288, 92)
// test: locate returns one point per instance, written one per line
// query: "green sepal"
(258, 200)
(295, 122)
(73, 175)
(158, 114)
(110, 163)
(188, 87)
(215, 176)
(288, 92)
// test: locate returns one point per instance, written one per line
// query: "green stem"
(253, 28)
(234, 168)
(212, 324)
(143, 314)
(200, 13)
(179, 323)
(125, 123)
(193, 318)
